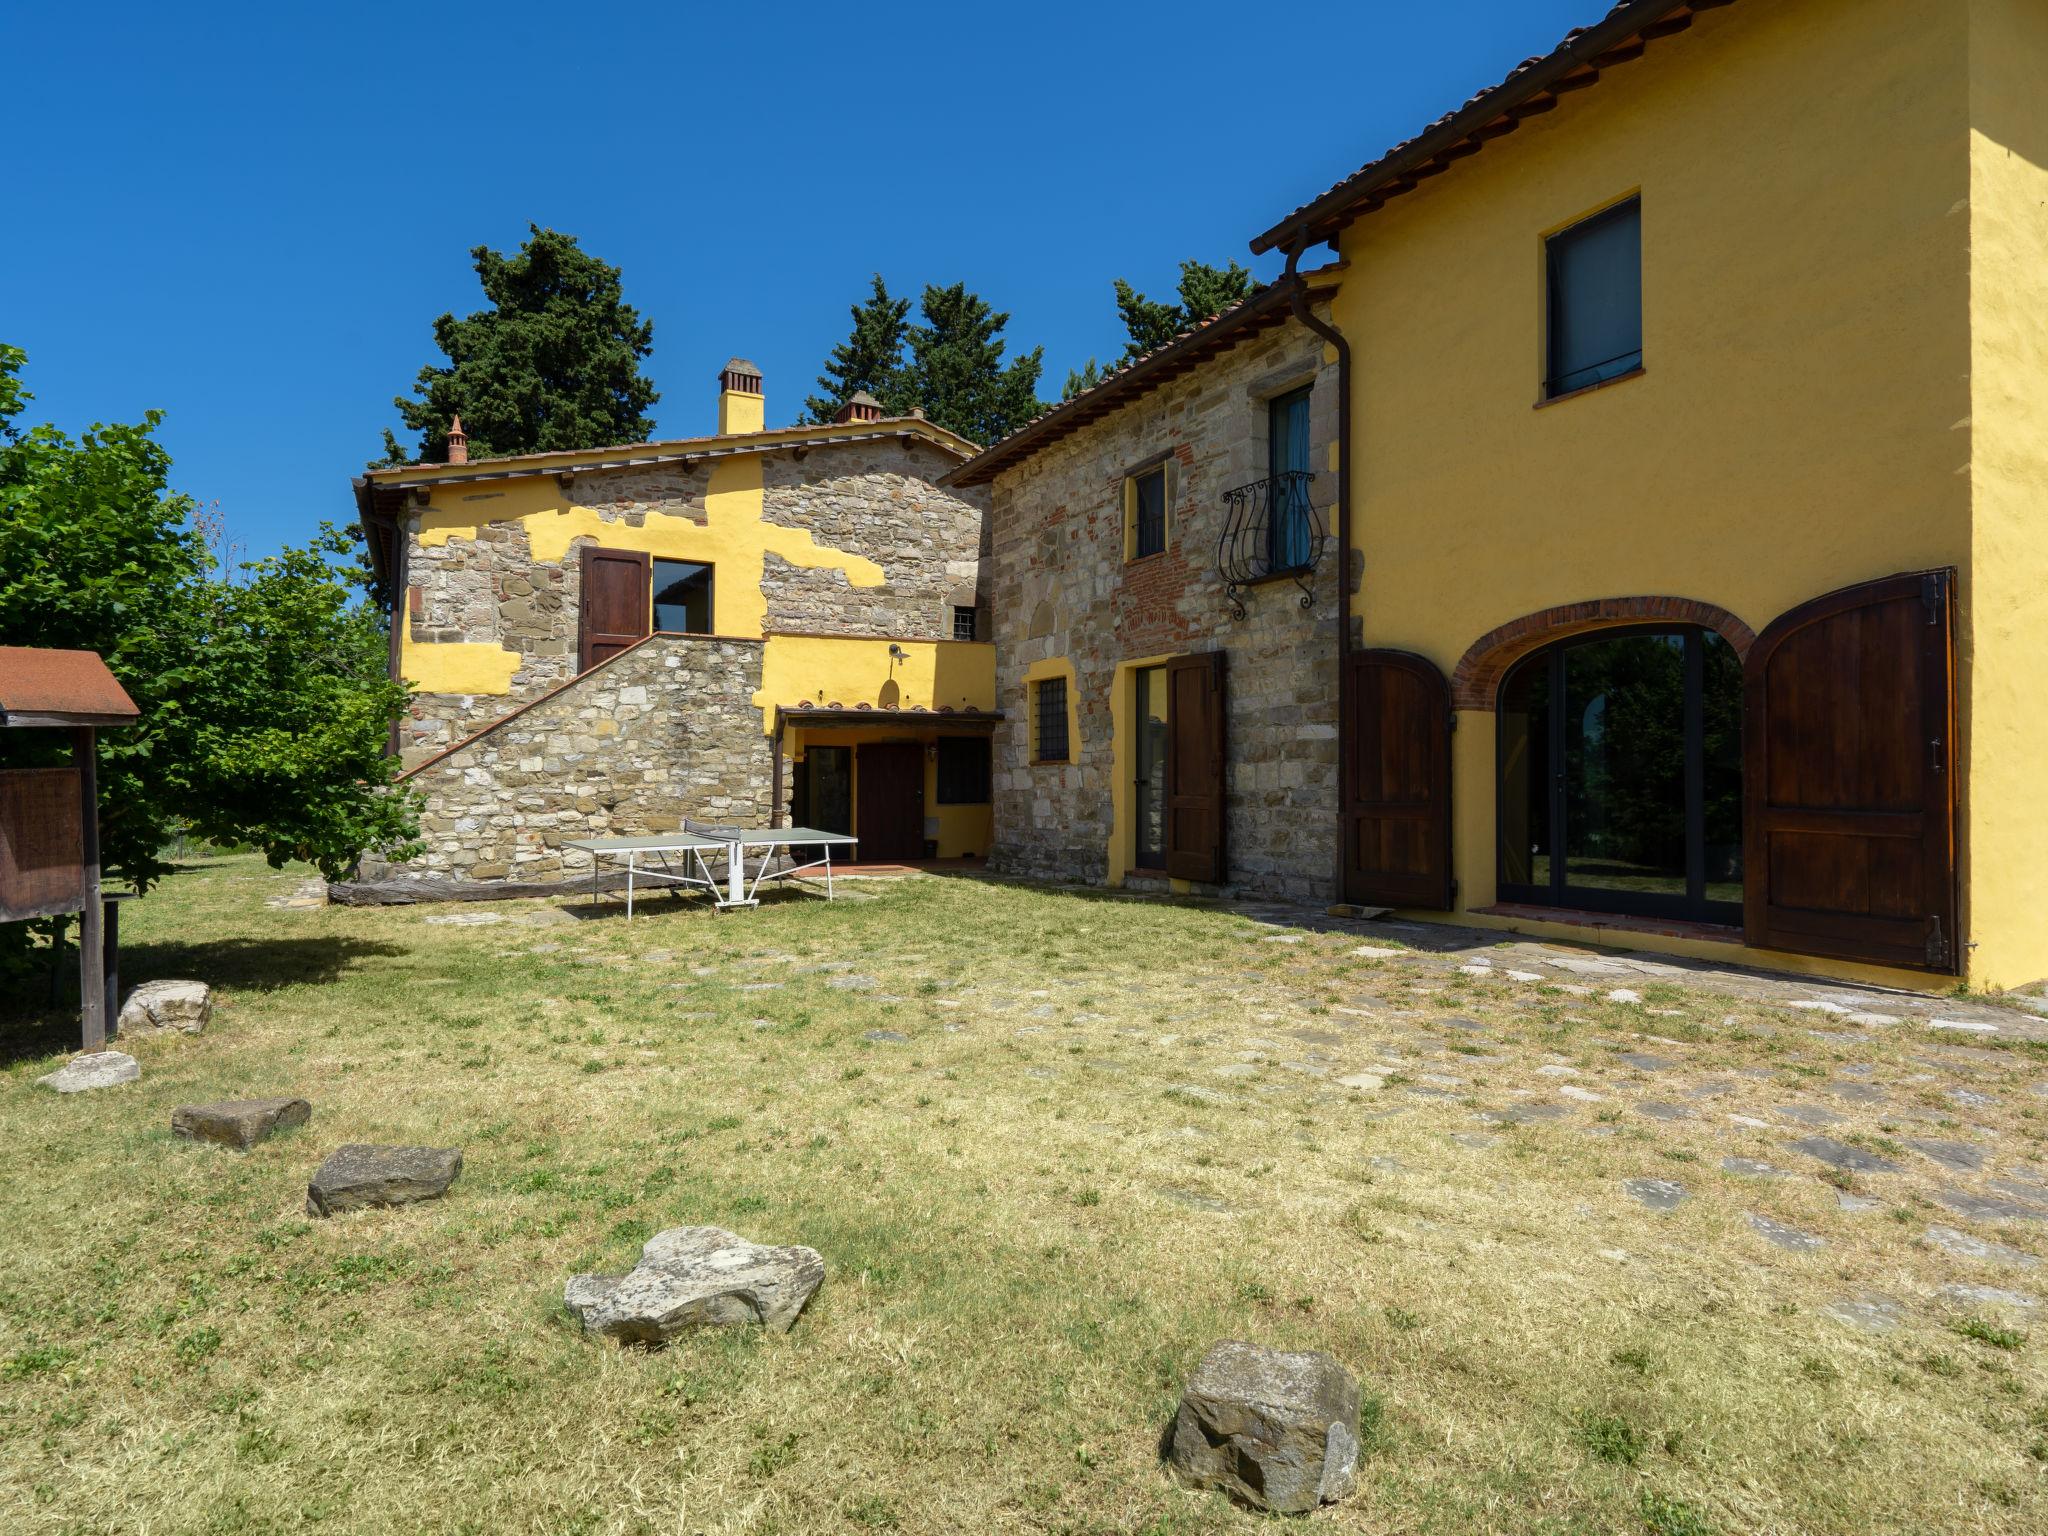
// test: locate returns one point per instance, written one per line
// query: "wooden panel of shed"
(42, 843)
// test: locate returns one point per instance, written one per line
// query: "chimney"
(740, 406)
(458, 442)
(862, 407)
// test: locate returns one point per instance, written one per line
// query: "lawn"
(1050, 1146)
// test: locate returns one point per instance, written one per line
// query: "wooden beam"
(92, 977)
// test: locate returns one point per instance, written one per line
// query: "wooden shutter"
(1395, 820)
(1849, 776)
(1194, 767)
(616, 604)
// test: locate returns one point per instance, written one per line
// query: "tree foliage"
(1204, 291)
(265, 696)
(948, 363)
(554, 363)
(871, 358)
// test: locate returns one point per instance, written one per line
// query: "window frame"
(984, 774)
(1550, 388)
(1038, 717)
(973, 613)
(1275, 404)
(1161, 465)
(654, 589)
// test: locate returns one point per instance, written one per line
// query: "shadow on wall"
(32, 1026)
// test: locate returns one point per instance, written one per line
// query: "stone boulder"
(95, 1069)
(1275, 1431)
(238, 1123)
(697, 1277)
(361, 1175)
(160, 1007)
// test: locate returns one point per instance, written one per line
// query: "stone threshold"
(1616, 922)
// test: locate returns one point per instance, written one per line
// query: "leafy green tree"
(871, 358)
(1078, 379)
(265, 699)
(1204, 291)
(554, 363)
(957, 373)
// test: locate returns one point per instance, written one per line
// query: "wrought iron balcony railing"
(1270, 529)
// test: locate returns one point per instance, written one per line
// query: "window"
(963, 770)
(1289, 532)
(963, 623)
(682, 597)
(1595, 274)
(1049, 720)
(1148, 806)
(1145, 501)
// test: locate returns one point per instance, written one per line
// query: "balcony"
(1271, 532)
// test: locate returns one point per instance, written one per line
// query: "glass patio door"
(1621, 776)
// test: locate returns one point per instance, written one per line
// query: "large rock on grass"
(238, 1123)
(1275, 1431)
(697, 1277)
(95, 1069)
(165, 1007)
(360, 1175)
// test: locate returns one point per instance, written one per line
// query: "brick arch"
(1476, 682)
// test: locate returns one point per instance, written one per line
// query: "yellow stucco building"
(760, 625)
(1683, 510)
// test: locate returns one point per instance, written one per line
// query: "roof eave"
(1586, 50)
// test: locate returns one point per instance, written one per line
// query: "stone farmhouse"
(726, 628)
(1638, 530)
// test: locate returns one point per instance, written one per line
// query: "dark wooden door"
(1849, 776)
(1194, 767)
(1395, 816)
(614, 605)
(890, 821)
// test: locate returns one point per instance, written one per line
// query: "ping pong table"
(730, 864)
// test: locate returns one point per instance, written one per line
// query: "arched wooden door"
(1395, 817)
(1849, 776)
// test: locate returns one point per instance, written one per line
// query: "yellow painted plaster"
(2005, 611)
(455, 666)
(1038, 671)
(1806, 278)
(820, 669)
(733, 538)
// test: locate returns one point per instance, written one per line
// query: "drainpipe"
(1329, 333)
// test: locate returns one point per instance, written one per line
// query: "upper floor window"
(1595, 278)
(1145, 513)
(1289, 532)
(682, 597)
(963, 623)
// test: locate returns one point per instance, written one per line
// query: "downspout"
(1298, 299)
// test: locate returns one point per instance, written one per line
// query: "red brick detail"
(1476, 682)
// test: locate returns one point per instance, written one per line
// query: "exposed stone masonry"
(874, 499)
(1060, 587)
(665, 731)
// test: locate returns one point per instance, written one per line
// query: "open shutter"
(1194, 767)
(1849, 777)
(1396, 812)
(616, 604)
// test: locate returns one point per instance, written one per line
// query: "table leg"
(736, 872)
(632, 859)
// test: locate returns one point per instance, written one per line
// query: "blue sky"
(249, 216)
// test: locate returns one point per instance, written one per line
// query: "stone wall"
(1059, 587)
(874, 499)
(664, 731)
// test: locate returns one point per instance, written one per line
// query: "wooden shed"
(49, 817)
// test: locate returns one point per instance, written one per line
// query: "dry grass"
(1032, 1228)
